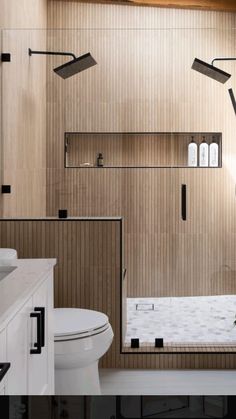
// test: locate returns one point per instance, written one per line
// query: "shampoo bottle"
(214, 153)
(192, 154)
(204, 154)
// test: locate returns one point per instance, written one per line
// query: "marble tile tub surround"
(182, 320)
(18, 284)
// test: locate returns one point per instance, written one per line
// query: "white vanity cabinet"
(2, 358)
(28, 340)
(18, 351)
(41, 365)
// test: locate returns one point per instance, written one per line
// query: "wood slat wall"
(144, 82)
(88, 275)
(88, 272)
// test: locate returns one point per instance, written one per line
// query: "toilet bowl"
(7, 257)
(81, 338)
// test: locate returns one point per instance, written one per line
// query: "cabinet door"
(3, 359)
(17, 351)
(41, 366)
(3, 346)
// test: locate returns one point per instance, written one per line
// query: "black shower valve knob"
(6, 189)
(6, 58)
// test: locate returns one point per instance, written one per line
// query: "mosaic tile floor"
(182, 320)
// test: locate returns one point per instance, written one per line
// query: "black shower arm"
(222, 59)
(65, 54)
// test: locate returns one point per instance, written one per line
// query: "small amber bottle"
(100, 161)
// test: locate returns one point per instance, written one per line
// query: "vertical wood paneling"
(144, 82)
(88, 268)
(89, 262)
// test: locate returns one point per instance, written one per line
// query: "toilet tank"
(7, 257)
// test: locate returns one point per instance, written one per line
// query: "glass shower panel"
(203, 253)
(1, 140)
(179, 222)
(24, 123)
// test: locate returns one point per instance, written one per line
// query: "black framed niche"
(96, 150)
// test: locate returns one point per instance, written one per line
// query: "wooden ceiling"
(222, 5)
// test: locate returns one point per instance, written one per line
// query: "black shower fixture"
(211, 71)
(72, 67)
(232, 97)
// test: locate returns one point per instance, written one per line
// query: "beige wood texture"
(23, 111)
(88, 272)
(24, 14)
(133, 150)
(222, 5)
(88, 275)
(157, 92)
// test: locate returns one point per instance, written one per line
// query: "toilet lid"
(76, 321)
(7, 257)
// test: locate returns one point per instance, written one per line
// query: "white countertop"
(17, 287)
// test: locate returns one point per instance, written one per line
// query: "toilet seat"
(75, 323)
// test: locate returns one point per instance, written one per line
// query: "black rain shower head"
(210, 70)
(72, 67)
(75, 66)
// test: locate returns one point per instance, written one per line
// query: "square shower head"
(75, 66)
(210, 71)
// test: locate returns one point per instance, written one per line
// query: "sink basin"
(6, 270)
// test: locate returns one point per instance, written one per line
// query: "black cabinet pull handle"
(42, 337)
(4, 367)
(184, 202)
(37, 344)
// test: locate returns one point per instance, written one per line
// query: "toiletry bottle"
(192, 154)
(204, 153)
(214, 153)
(100, 162)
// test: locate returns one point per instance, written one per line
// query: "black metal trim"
(232, 97)
(6, 189)
(144, 167)
(159, 342)
(135, 343)
(42, 328)
(65, 219)
(37, 344)
(122, 277)
(222, 59)
(62, 213)
(64, 54)
(67, 133)
(4, 367)
(6, 57)
(184, 202)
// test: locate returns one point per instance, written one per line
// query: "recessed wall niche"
(133, 150)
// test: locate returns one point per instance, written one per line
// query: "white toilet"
(81, 338)
(7, 257)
